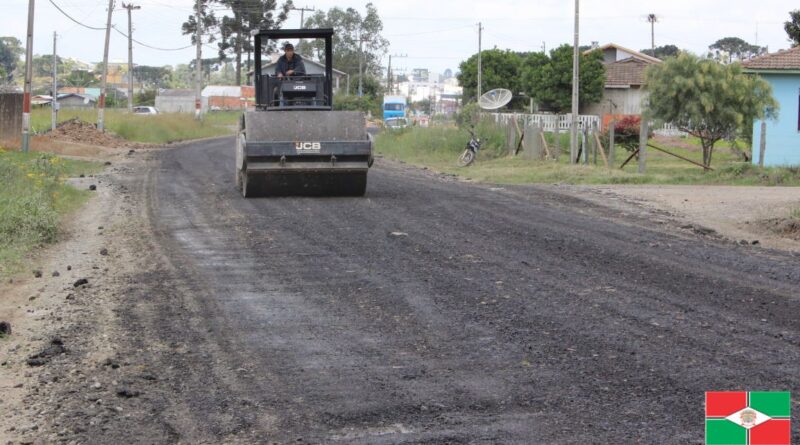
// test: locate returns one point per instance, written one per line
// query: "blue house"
(782, 71)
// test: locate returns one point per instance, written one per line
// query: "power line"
(435, 31)
(76, 21)
(151, 46)
(117, 30)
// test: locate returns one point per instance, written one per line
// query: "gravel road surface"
(434, 311)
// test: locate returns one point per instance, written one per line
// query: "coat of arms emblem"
(748, 418)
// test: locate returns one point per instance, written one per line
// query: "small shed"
(75, 100)
(175, 101)
(782, 71)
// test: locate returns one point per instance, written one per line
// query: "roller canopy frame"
(276, 34)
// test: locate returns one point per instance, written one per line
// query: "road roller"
(293, 143)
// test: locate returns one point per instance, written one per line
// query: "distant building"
(74, 100)
(445, 97)
(175, 101)
(41, 100)
(448, 73)
(421, 75)
(782, 71)
(86, 91)
(625, 87)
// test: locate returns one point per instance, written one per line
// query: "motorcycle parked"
(471, 150)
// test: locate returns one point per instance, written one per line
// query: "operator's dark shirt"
(295, 64)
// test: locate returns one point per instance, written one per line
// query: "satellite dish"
(495, 99)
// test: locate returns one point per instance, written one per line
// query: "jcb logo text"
(308, 146)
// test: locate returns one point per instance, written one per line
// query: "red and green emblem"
(748, 418)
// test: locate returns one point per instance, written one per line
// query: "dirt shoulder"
(61, 317)
(738, 213)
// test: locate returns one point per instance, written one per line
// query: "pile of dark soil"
(82, 132)
(786, 227)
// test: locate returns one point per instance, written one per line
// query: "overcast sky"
(434, 34)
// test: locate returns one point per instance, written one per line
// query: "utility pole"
(653, 19)
(198, 63)
(26, 98)
(101, 105)
(302, 14)
(130, 7)
(480, 65)
(54, 99)
(361, 65)
(360, 68)
(390, 74)
(573, 135)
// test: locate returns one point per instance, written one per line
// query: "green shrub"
(32, 201)
(468, 115)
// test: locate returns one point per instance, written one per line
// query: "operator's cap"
(288, 46)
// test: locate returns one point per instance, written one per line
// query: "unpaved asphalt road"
(433, 311)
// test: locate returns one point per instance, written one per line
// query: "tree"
(182, 76)
(145, 98)
(350, 27)
(367, 104)
(662, 52)
(208, 21)
(707, 99)
(248, 15)
(732, 49)
(792, 27)
(500, 69)
(423, 106)
(81, 78)
(153, 76)
(549, 79)
(43, 65)
(10, 52)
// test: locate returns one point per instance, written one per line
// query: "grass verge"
(439, 147)
(33, 200)
(158, 129)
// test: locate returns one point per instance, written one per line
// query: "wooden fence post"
(585, 146)
(762, 150)
(511, 137)
(556, 140)
(643, 130)
(611, 128)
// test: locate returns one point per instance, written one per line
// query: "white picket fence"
(548, 122)
(669, 130)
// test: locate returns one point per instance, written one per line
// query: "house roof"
(222, 90)
(635, 54)
(85, 97)
(783, 60)
(626, 73)
(180, 92)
